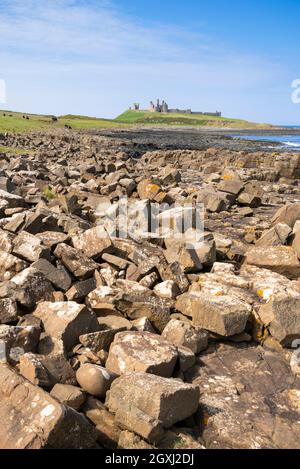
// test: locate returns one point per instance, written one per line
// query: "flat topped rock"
(31, 419)
(280, 259)
(166, 400)
(141, 351)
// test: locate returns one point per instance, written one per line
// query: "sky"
(97, 57)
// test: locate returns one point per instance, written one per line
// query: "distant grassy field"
(14, 122)
(157, 118)
(19, 122)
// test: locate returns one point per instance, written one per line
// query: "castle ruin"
(164, 108)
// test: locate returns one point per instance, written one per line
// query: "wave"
(292, 144)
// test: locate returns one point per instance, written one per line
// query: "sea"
(287, 141)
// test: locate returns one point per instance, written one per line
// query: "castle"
(163, 107)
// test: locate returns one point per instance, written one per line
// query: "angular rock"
(8, 311)
(31, 287)
(93, 243)
(184, 334)
(280, 259)
(48, 424)
(29, 247)
(225, 315)
(58, 277)
(66, 321)
(141, 351)
(17, 340)
(68, 395)
(154, 400)
(81, 266)
(281, 315)
(10, 265)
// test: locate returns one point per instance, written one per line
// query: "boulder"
(93, 243)
(223, 314)
(182, 333)
(48, 423)
(141, 351)
(29, 247)
(146, 404)
(68, 395)
(66, 321)
(280, 259)
(281, 315)
(94, 379)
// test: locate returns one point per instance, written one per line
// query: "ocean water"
(289, 141)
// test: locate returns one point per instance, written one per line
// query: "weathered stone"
(29, 247)
(287, 214)
(95, 379)
(167, 289)
(31, 287)
(10, 265)
(224, 314)
(17, 340)
(280, 259)
(80, 290)
(100, 340)
(165, 401)
(32, 368)
(276, 236)
(68, 395)
(281, 315)
(233, 186)
(141, 351)
(81, 266)
(93, 243)
(135, 306)
(182, 333)
(66, 321)
(48, 423)
(8, 311)
(52, 238)
(107, 430)
(58, 277)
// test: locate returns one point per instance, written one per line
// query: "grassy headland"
(23, 122)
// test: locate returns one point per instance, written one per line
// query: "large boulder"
(281, 315)
(223, 314)
(66, 320)
(93, 243)
(280, 259)
(141, 351)
(31, 419)
(146, 404)
(183, 333)
(288, 214)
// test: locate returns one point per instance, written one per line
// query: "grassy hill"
(15, 122)
(23, 122)
(157, 118)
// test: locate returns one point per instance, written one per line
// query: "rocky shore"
(148, 340)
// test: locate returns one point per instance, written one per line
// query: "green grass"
(16, 151)
(14, 121)
(157, 118)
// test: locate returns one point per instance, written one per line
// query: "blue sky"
(96, 57)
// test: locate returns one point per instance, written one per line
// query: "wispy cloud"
(53, 50)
